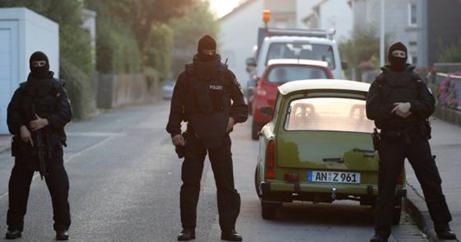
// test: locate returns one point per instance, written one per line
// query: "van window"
(282, 74)
(300, 50)
(328, 114)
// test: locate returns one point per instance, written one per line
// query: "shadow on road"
(340, 213)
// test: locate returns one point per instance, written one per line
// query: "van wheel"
(255, 128)
(257, 187)
(268, 210)
(397, 211)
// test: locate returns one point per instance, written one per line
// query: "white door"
(8, 67)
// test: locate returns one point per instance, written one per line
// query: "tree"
(141, 15)
(187, 30)
(451, 53)
(361, 48)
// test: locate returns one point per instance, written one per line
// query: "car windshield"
(328, 114)
(282, 74)
(302, 51)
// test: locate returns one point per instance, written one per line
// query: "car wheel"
(257, 187)
(255, 128)
(397, 211)
(268, 210)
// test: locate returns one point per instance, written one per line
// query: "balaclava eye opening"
(39, 71)
(206, 43)
(396, 60)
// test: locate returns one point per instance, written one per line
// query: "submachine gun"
(42, 147)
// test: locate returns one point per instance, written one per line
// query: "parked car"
(318, 147)
(277, 73)
(167, 89)
(310, 46)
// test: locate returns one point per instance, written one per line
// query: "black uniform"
(206, 95)
(404, 138)
(45, 96)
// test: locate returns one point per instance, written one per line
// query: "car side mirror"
(267, 110)
(344, 65)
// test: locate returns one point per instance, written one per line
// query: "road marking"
(73, 156)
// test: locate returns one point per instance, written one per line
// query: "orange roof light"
(266, 16)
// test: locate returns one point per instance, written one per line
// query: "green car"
(319, 147)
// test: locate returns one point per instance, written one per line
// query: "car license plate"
(333, 177)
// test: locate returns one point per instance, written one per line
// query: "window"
(412, 15)
(301, 50)
(282, 74)
(328, 114)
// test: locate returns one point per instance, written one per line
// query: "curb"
(417, 208)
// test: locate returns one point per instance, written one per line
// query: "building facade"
(424, 26)
(330, 14)
(23, 32)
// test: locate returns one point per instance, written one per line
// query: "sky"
(222, 7)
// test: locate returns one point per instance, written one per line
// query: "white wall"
(238, 36)
(304, 9)
(337, 14)
(24, 32)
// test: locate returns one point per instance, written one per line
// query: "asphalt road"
(125, 181)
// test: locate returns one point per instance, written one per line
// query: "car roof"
(284, 39)
(328, 84)
(297, 62)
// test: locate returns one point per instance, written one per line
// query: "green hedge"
(117, 49)
(78, 86)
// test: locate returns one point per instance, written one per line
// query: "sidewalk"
(5, 143)
(446, 146)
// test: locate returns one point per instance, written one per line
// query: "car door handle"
(339, 160)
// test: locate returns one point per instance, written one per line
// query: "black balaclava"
(206, 43)
(39, 72)
(397, 63)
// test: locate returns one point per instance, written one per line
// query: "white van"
(299, 47)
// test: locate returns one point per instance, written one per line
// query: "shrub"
(447, 92)
(78, 86)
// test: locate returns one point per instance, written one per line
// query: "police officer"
(208, 97)
(37, 114)
(400, 104)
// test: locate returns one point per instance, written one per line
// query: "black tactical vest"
(399, 87)
(208, 102)
(42, 99)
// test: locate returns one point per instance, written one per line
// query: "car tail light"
(270, 160)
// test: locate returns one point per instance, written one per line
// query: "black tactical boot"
(381, 235)
(444, 232)
(186, 234)
(62, 235)
(231, 235)
(378, 238)
(13, 234)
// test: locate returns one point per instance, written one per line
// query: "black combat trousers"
(221, 163)
(58, 186)
(393, 152)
